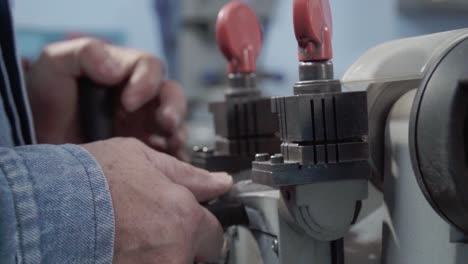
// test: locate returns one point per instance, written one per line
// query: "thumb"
(203, 184)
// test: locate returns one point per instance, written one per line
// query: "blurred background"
(181, 33)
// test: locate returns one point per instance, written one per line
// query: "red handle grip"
(239, 36)
(313, 29)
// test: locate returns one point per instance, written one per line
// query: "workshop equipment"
(418, 112)
(418, 120)
(323, 167)
(244, 124)
(401, 120)
(301, 202)
(193, 39)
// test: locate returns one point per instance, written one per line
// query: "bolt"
(196, 149)
(208, 150)
(261, 157)
(277, 159)
(275, 246)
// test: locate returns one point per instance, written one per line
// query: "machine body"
(413, 94)
(418, 120)
(317, 181)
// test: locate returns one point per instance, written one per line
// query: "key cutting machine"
(244, 123)
(301, 202)
(416, 110)
(398, 117)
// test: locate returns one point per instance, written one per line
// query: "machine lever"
(313, 29)
(239, 36)
(229, 213)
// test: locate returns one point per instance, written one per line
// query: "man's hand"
(150, 108)
(156, 200)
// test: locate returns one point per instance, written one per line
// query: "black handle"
(96, 104)
(229, 213)
(229, 208)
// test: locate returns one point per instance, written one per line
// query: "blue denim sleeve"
(55, 206)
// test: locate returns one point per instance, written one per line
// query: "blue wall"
(358, 26)
(134, 19)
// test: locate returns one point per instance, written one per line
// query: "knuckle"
(175, 85)
(188, 209)
(176, 88)
(50, 52)
(129, 142)
(154, 63)
(90, 46)
(153, 75)
(180, 170)
(88, 41)
(82, 46)
(47, 53)
(150, 86)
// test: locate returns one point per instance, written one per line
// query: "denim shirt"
(55, 204)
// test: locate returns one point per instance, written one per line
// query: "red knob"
(313, 28)
(239, 36)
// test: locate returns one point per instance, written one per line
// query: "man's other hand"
(150, 108)
(156, 199)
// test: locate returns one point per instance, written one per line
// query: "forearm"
(61, 202)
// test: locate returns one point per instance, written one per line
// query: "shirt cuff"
(62, 202)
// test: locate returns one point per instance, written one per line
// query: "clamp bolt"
(277, 159)
(208, 150)
(261, 157)
(196, 149)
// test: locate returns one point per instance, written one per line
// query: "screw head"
(196, 149)
(261, 157)
(277, 159)
(208, 150)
